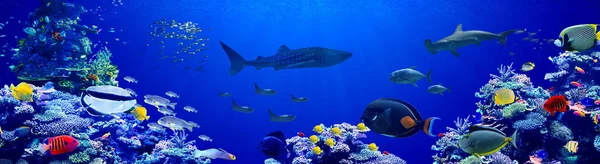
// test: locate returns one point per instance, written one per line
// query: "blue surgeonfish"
(395, 118)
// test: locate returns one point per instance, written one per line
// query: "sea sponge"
(513, 110)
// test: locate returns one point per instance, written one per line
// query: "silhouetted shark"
(462, 38)
(286, 58)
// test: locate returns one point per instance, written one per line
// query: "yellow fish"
(571, 146)
(504, 96)
(329, 142)
(105, 135)
(318, 129)
(139, 113)
(373, 147)
(361, 126)
(336, 131)
(22, 92)
(317, 150)
(313, 139)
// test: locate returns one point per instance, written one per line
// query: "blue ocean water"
(382, 35)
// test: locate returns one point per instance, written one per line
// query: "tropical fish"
(587, 101)
(483, 140)
(572, 146)
(139, 112)
(158, 101)
(48, 87)
(314, 139)
(504, 96)
(213, 153)
(286, 58)
(361, 127)
(576, 84)
(317, 150)
(395, 118)
(441, 135)
(280, 118)
(578, 37)
(58, 145)
(174, 123)
(130, 79)
(298, 99)
(372, 147)
(329, 142)
(597, 102)
(193, 124)
(273, 146)
(336, 130)
(595, 60)
(462, 38)
(550, 88)
(131, 91)
(438, 89)
(557, 103)
(205, 138)
(19, 132)
(527, 67)
(172, 94)
(260, 91)
(542, 154)
(224, 94)
(579, 69)
(155, 127)
(300, 134)
(243, 109)
(106, 99)
(104, 136)
(318, 129)
(166, 111)
(23, 92)
(386, 153)
(409, 76)
(190, 109)
(579, 113)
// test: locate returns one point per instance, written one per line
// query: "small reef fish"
(595, 60)
(205, 138)
(372, 147)
(409, 76)
(213, 153)
(579, 69)
(395, 118)
(482, 140)
(48, 87)
(336, 131)
(139, 113)
(286, 58)
(438, 89)
(23, 92)
(362, 128)
(550, 88)
(579, 113)
(329, 142)
(260, 91)
(131, 91)
(578, 37)
(300, 134)
(527, 67)
(586, 101)
(441, 135)
(386, 153)
(224, 94)
(243, 109)
(58, 145)
(280, 118)
(462, 38)
(106, 99)
(572, 146)
(298, 99)
(317, 150)
(174, 123)
(504, 96)
(314, 139)
(190, 109)
(166, 111)
(273, 146)
(172, 94)
(155, 127)
(542, 154)
(597, 102)
(557, 103)
(106, 135)
(130, 79)
(318, 129)
(158, 101)
(193, 124)
(576, 84)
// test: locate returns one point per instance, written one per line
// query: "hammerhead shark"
(462, 38)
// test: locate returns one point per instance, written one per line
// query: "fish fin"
(147, 117)
(277, 134)
(236, 60)
(430, 47)
(458, 29)
(256, 88)
(293, 97)
(407, 122)
(428, 76)
(428, 124)
(191, 129)
(474, 128)
(598, 36)
(283, 49)
(233, 103)
(502, 36)
(415, 84)
(172, 105)
(513, 139)
(454, 52)
(43, 148)
(271, 114)
(448, 88)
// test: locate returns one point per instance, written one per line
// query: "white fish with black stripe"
(106, 99)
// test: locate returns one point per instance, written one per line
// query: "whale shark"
(286, 58)
(462, 38)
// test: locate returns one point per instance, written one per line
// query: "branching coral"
(462, 126)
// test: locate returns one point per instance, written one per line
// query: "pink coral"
(163, 145)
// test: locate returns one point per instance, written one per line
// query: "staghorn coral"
(555, 75)
(505, 72)
(462, 126)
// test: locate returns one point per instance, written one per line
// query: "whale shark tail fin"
(236, 60)
(430, 47)
(503, 36)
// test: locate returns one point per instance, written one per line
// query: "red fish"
(59, 144)
(386, 152)
(551, 89)
(577, 84)
(441, 135)
(300, 134)
(557, 103)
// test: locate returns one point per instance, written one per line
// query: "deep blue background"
(383, 36)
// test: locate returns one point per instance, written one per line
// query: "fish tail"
(236, 60)
(190, 128)
(172, 105)
(429, 46)
(428, 124)
(234, 104)
(428, 76)
(449, 91)
(256, 88)
(513, 139)
(271, 114)
(503, 35)
(43, 148)
(147, 117)
(598, 33)
(293, 97)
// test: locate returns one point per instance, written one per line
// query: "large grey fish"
(462, 38)
(438, 89)
(261, 91)
(483, 140)
(298, 99)
(286, 58)
(106, 99)
(243, 109)
(408, 76)
(174, 123)
(280, 118)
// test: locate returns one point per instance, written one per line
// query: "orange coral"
(93, 77)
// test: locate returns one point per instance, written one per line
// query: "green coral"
(102, 67)
(80, 157)
(511, 85)
(513, 110)
(592, 92)
(51, 113)
(485, 91)
(471, 160)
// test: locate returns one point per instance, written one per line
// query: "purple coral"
(499, 158)
(24, 108)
